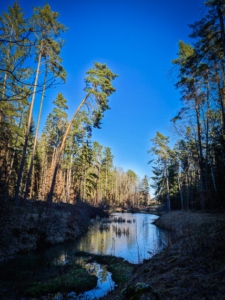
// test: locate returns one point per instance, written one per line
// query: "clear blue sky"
(137, 39)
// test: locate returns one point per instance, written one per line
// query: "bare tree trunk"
(167, 189)
(207, 137)
(44, 176)
(84, 183)
(27, 131)
(180, 191)
(13, 155)
(221, 104)
(32, 184)
(106, 182)
(68, 180)
(213, 176)
(36, 137)
(200, 153)
(4, 81)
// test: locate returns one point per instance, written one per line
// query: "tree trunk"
(200, 153)
(167, 189)
(27, 131)
(180, 191)
(221, 104)
(36, 136)
(50, 196)
(44, 175)
(220, 15)
(13, 154)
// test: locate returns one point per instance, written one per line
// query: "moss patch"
(35, 277)
(77, 279)
(121, 269)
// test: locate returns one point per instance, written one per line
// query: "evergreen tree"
(144, 191)
(161, 149)
(98, 85)
(45, 22)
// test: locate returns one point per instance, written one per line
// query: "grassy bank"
(191, 267)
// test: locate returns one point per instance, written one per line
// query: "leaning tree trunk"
(50, 195)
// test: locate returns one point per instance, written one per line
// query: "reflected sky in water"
(134, 240)
(105, 282)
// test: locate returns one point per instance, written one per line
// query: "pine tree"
(98, 85)
(161, 149)
(45, 22)
(144, 190)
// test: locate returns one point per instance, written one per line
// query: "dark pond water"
(135, 238)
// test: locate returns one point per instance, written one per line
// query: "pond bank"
(34, 225)
(83, 274)
(192, 266)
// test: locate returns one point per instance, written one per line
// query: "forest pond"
(133, 237)
(130, 236)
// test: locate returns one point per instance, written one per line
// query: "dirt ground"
(192, 266)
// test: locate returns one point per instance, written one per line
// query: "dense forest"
(62, 163)
(191, 174)
(56, 182)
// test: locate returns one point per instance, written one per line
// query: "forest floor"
(192, 266)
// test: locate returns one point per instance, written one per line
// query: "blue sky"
(137, 39)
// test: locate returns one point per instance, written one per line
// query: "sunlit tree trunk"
(36, 137)
(61, 149)
(28, 130)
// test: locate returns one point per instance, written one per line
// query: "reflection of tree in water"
(113, 246)
(102, 247)
(119, 230)
(105, 282)
(103, 274)
(94, 268)
(124, 238)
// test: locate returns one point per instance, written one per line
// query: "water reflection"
(134, 238)
(105, 282)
